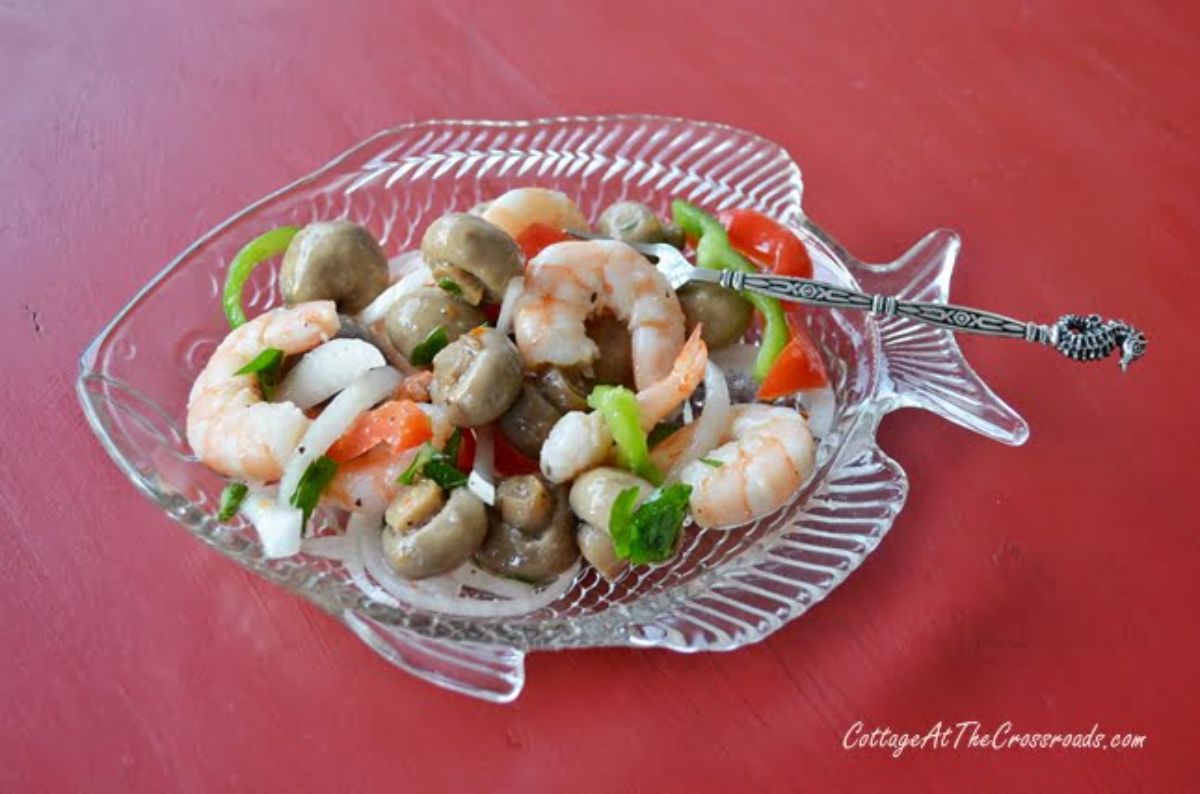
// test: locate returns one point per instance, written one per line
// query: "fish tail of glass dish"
(490, 672)
(925, 367)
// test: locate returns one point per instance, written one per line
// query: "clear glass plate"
(727, 588)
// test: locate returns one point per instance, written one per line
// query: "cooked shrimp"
(367, 483)
(660, 399)
(766, 454)
(415, 387)
(569, 282)
(229, 427)
(524, 206)
(581, 441)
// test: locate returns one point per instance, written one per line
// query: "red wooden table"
(1053, 585)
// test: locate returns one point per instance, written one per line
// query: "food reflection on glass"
(507, 400)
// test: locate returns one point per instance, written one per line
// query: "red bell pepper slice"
(767, 242)
(798, 367)
(508, 461)
(466, 450)
(537, 236)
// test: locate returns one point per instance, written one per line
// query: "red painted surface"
(1052, 585)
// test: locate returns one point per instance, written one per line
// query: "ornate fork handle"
(1081, 338)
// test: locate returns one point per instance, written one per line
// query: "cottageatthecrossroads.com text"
(973, 735)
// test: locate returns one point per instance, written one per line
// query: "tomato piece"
(798, 367)
(509, 462)
(767, 243)
(398, 423)
(537, 236)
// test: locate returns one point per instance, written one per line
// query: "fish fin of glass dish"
(490, 672)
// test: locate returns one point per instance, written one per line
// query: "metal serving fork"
(1078, 337)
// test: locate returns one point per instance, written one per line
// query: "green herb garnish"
(649, 532)
(440, 466)
(232, 496)
(422, 457)
(265, 367)
(452, 445)
(716, 464)
(256, 251)
(423, 353)
(312, 483)
(450, 285)
(442, 470)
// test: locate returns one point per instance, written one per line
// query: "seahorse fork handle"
(1078, 337)
(1081, 338)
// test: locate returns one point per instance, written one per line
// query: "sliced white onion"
(359, 526)
(278, 525)
(508, 307)
(402, 264)
(474, 577)
(714, 419)
(378, 309)
(330, 547)
(326, 370)
(481, 481)
(821, 407)
(370, 388)
(737, 362)
(441, 593)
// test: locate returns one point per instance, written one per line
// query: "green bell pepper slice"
(713, 252)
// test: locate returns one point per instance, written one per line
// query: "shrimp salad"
(510, 402)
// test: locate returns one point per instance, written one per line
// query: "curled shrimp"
(229, 426)
(524, 206)
(368, 483)
(581, 441)
(569, 282)
(766, 453)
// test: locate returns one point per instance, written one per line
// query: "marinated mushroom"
(477, 377)
(526, 502)
(418, 546)
(421, 312)
(596, 546)
(724, 314)
(564, 390)
(414, 505)
(334, 260)
(674, 236)
(528, 421)
(476, 255)
(614, 365)
(593, 493)
(632, 222)
(537, 548)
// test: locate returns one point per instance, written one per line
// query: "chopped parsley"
(232, 496)
(440, 466)
(312, 483)
(265, 368)
(423, 353)
(648, 533)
